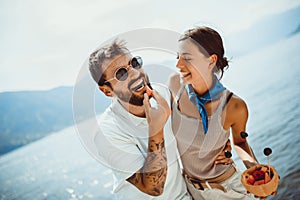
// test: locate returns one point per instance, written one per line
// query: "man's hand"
(152, 176)
(156, 117)
(222, 159)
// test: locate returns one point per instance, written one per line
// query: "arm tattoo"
(152, 176)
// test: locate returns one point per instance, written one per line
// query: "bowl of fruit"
(261, 180)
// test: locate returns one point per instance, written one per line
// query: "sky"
(45, 43)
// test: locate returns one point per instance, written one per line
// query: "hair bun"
(223, 63)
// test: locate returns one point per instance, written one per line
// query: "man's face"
(128, 83)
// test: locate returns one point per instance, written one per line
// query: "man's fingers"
(220, 157)
(223, 160)
(146, 104)
(157, 97)
(162, 103)
(228, 146)
(160, 100)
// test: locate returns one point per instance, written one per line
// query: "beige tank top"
(198, 151)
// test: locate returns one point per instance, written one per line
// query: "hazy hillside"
(30, 115)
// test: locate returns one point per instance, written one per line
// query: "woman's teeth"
(184, 74)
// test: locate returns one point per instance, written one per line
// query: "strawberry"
(267, 178)
(250, 180)
(148, 91)
(264, 169)
(258, 175)
(260, 182)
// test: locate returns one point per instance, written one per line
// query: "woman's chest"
(188, 108)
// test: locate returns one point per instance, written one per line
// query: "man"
(136, 139)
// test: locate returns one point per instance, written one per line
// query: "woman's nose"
(180, 63)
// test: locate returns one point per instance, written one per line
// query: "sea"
(59, 167)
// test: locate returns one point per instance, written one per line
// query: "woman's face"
(195, 68)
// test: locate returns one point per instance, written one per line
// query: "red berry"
(148, 91)
(250, 180)
(258, 175)
(260, 182)
(267, 178)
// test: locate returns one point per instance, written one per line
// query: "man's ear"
(106, 90)
(213, 60)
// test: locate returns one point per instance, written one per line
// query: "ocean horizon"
(59, 167)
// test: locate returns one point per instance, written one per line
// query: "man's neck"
(138, 111)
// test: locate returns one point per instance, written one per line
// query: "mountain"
(30, 115)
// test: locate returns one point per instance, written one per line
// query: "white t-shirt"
(122, 144)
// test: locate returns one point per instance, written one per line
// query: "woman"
(204, 111)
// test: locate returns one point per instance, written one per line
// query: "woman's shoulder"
(237, 107)
(174, 83)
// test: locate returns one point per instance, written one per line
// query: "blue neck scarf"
(199, 100)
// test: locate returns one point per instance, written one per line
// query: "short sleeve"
(119, 153)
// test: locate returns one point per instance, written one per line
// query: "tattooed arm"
(151, 177)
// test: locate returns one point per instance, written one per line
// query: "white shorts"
(233, 185)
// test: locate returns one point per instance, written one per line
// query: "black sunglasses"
(122, 73)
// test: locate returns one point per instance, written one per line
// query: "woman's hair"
(210, 42)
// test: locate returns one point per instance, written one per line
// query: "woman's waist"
(218, 174)
(204, 168)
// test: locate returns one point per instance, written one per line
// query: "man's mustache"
(134, 80)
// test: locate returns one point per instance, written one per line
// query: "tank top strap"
(227, 100)
(223, 101)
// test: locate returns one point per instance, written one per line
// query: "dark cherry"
(228, 154)
(244, 135)
(267, 151)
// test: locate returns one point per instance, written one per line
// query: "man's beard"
(132, 98)
(129, 96)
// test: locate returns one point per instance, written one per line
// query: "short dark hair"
(102, 54)
(210, 42)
